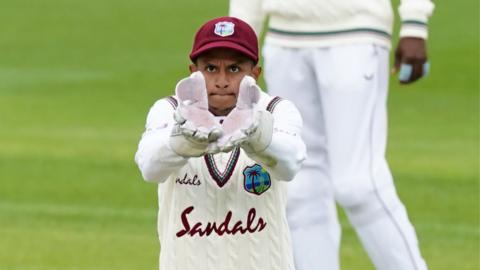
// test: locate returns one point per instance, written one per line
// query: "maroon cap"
(226, 32)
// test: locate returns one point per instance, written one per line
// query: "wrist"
(186, 146)
(262, 137)
(414, 28)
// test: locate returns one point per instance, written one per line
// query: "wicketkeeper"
(222, 151)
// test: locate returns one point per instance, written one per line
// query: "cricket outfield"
(78, 77)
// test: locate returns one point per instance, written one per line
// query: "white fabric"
(157, 160)
(327, 16)
(341, 93)
(186, 183)
(154, 157)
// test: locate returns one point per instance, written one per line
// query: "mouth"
(222, 94)
(220, 104)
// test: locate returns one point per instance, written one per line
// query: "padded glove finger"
(193, 89)
(248, 93)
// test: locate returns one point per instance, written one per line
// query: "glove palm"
(246, 125)
(195, 126)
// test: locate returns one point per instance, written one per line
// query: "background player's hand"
(410, 59)
(246, 126)
(195, 126)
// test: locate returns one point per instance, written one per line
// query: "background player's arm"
(286, 152)
(154, 156)
(414, 15)
(411, 49)
(250, 11)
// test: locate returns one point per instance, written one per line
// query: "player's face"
(223, 70)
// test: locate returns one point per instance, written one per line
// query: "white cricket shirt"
(316, 23)
(223, 211)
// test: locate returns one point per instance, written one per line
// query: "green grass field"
(78, 77)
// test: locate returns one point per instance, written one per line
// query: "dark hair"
(246, 57)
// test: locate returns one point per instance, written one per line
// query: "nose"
(222, 81)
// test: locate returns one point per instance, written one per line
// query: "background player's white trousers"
(341, 92)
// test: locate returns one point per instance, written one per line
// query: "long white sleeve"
(154, 157)
(318, 23)
(287, 151)
(250, 11)
(415, 15)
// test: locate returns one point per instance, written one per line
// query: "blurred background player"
(221, 151)
(331, 59)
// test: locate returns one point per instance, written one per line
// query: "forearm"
(155, 159)
(414, 15)
(287, 151)
(250, 11)
(284, 156)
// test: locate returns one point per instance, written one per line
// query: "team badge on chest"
(256, 179)
(224, 29)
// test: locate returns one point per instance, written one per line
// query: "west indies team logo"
(256, 179)
(224, 29)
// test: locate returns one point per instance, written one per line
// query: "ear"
(192, 68)
(256, 71)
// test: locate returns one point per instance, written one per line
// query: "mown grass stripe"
(76, 210)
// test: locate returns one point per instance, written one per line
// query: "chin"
(220, 111)
(221, 106)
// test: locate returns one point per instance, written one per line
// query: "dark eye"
(234, 68)
(210, 68)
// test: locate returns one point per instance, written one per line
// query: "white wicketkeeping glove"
(195, 126)
(247, 126)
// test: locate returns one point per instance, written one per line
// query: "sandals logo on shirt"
(224, 29)
(256, 179)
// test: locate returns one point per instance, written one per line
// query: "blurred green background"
(78, 77)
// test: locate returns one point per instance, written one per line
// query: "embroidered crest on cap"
(224, 29)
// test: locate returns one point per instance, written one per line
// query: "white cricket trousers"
(341, 92)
